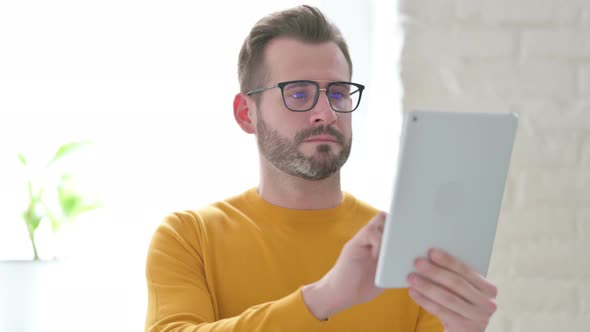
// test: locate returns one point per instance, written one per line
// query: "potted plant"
(60, 207)
(30, 289)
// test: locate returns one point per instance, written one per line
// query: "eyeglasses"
(303, 95)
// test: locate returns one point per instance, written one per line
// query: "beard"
(284, 154)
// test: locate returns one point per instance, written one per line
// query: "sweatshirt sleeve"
(428, 322)
(179, 298)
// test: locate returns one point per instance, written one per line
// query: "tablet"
(448, 190)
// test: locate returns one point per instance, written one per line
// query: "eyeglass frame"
(281, 85)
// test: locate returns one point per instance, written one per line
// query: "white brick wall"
(584, 79)
(556, 43)
(531, 57)
(519, 12)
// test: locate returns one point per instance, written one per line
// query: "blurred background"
(148, 87)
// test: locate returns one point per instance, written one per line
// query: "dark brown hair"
(304, 23)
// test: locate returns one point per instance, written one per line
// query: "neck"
(281, 189)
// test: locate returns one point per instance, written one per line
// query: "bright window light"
(151, 85)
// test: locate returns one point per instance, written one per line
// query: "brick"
(537, 297)
(469, 10)
(519, 12)
(583, 292)
(481, 78)
(426, 10)
(583, 224)
(499, 267)
(569, 43)
(427, 42)
(458, 40)
(548, 149)
(512, 191)
(468, 103)
(552, 115)
(584, 80)
(506, 79)
(414, 99)
(418, 99)
(586, 17)
(500, 322)
(551, 261)
(551, 323)
(521, 225)
(423, 77)
(553, 187)
(484, 42)
(585, 152)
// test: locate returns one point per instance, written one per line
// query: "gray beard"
(284, 154)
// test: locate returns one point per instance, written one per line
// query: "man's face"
(312, 145)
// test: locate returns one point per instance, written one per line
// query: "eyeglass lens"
(302, 96)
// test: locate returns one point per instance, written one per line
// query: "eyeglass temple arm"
(251, 92)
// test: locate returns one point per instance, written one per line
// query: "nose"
(322, 113)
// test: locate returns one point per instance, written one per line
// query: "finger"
(374, 240)
(378, 221)
(375, 225)
(451, 263)
(374, 233)
(369, 237)
(455, 283)
(449, 318)
(447, 299)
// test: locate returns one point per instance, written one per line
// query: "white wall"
(531, 57)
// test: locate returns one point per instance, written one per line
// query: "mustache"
(330, 130)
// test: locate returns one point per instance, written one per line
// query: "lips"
(322, 138)
(320, 134)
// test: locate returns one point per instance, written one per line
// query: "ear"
(242, 113)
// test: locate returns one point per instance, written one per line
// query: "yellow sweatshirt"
(239, 265)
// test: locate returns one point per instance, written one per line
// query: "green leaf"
(33, 216)
(55, 222)
(22, 159)
(91, 207)
(71, 202)
(67, 149)
(33, 223)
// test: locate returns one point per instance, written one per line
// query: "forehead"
(288, 59)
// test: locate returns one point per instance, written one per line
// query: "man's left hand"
(461, 298)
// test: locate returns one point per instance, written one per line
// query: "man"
(296, 253)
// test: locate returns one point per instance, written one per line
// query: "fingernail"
(435, 254)
(421, 265)
(413, 280)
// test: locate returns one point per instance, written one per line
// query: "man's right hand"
(352, 279)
